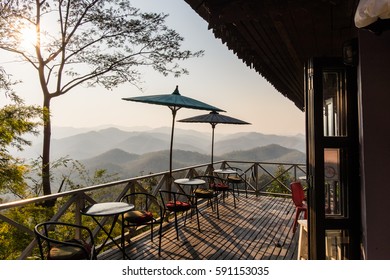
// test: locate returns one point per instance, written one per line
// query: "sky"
(218, 78)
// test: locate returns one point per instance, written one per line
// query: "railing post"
(80, 204)
(295, 172)
(256, 173)
(209, 169)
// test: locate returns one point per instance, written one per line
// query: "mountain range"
(127, 165)
(87, 144)
(130, 153)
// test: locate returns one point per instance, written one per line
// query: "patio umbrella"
(174, 101)
(213, 118)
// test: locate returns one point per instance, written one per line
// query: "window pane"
(333, 104)
(334, 191)
(336, 244)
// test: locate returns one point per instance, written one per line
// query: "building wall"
(374, 110)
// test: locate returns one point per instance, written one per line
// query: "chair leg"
(123, 235)
(197, 217)
(159, 238)
(234, 198)
(151, 233)
(216, 205)
(211, 204)
(295, 225)
(297, 214)
(176, 226)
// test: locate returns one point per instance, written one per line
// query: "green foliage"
(13, 241)
(68, 174)
(16, 120)
(283, 180)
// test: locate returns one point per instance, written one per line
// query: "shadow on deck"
(260, 228)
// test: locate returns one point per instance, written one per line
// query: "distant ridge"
(129, 165)
(271, 153)
(95, 142)
(249, 140)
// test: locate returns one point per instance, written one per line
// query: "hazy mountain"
(95, 142)
(249, 140)
(130, 165)
(151, 142)
(269, 153)
(115, 156)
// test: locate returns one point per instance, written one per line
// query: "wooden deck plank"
(266, 242)
(259, 228)
(276, 237)
(252, 229)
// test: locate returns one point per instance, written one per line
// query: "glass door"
(333, 160)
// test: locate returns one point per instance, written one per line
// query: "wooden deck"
(260, 228)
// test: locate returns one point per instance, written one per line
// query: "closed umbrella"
(213, 118)
(174, 101)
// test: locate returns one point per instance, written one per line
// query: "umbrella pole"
(174, 111)
(212, 145)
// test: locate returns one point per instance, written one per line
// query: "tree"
(16, 119)
(87, 42)
(283, 180)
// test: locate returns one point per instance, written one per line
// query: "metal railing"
(260, 179)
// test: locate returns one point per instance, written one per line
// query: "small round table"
(225, 171)
(191, 182)
(105, 209)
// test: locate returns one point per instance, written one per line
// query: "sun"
(28, 38)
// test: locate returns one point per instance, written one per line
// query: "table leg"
(122, 246)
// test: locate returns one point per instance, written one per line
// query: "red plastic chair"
(299, 198)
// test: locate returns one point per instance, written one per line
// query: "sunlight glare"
(28, 38)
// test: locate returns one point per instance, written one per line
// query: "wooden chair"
(299, 198)
(179, 202)
(64, 241)
(147, 212)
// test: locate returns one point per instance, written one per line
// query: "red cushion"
(219, 186)
(138, 217)
(180, 206)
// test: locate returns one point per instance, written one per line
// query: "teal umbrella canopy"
(213, 118)
(174, 101)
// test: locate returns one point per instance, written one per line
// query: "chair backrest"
(58, 240)
(144, 201)
(236, 177)
(211, 180)
(172, 196)
(298, 195)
